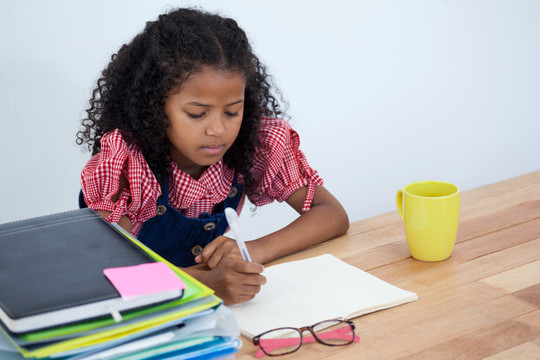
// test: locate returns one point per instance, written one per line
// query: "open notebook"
(51, 271)
(304, 292)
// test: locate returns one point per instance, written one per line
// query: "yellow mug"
(430, 212)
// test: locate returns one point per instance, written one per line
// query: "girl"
(182, 124)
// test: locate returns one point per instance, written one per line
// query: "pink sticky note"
(143, 279)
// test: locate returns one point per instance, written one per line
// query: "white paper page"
(303, 292)
(277, 305)
(349, 290)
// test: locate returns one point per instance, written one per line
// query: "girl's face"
(204, 118)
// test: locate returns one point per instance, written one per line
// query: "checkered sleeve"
(100, 181)
(280, 168)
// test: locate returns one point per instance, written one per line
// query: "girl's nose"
(215, 126)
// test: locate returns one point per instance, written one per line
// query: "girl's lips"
(212, 149)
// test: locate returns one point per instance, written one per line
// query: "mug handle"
(399, 202)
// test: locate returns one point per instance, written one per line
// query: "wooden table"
(482, 302)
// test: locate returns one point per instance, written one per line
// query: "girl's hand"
(218, 249)
(233, 279)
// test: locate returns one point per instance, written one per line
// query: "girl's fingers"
(207, 252)
(243, 293)
(248, 280)
(249, 290)
(255, 280)
(214, 252)
(214, 260)
(236, 280)
(248, 267)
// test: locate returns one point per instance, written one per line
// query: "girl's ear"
(165, 121)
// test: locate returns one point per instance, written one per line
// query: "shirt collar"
(214, 184)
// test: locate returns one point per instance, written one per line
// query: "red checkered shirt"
(279, 169)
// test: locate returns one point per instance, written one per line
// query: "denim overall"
(180, 239)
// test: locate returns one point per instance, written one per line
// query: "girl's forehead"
(210, 76)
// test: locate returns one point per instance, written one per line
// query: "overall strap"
(164, 197)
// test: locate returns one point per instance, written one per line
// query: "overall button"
(233, 192)
(161, 209)
(209, 226)
(196, 250)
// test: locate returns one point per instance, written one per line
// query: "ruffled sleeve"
(100, 181)
(279, 166)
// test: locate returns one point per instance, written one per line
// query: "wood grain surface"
(481, 303)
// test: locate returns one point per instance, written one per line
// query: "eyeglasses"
(286, 340)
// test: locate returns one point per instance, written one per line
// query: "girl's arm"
(124, 221)
(325, 219)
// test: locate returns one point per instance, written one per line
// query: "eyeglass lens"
(287, 340)
(280, 341)
(334, 332)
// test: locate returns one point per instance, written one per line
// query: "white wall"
(382, 92)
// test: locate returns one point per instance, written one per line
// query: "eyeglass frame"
(256, 339)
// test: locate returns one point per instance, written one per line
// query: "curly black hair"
(131, 93)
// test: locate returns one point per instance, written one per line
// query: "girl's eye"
(232, 114)
(196, 116)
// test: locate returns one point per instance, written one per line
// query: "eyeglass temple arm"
(274, 344)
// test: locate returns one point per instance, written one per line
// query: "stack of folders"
(73, 286)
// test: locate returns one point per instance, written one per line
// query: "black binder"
(51, 270)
